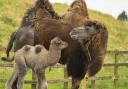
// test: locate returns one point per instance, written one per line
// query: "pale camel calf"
(38, 59)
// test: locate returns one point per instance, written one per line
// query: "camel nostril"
(70, 33)
(74, 32)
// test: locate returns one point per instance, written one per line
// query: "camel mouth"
(64, 45)
(74, 36)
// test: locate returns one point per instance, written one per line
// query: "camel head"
(87, 31)
(57, 42)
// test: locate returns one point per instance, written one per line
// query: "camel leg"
(21, 75)
(75, 83)
(14, 84)
(13, 77)
(42, 83)
(95, 67)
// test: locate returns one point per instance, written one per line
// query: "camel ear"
(56, 39)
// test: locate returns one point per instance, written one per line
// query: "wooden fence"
(116, 66)
(66, 80)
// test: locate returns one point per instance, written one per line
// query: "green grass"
(11, 13)
(118, 30)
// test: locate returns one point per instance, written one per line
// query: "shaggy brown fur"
(97, 48)
(45, 10)
(77, 13)
(97, 45)
(28, 16)
(42, 9)
(73, 56)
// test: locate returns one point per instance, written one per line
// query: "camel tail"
(9, 47)
(7, 59)
(10, 43)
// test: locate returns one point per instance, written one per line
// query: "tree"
(122, 16)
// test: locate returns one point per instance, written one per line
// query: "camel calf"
(38, 59)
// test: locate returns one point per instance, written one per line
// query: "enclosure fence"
(66, 80)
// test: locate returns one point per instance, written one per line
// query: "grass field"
(11, 13)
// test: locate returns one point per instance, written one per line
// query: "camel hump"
(27, 48)
(38, 49)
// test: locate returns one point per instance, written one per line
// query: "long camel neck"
(53, 55)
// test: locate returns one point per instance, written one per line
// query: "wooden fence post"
(116, 70)
(84, 83)
(66, 78)
(33, 86)
(93, 84)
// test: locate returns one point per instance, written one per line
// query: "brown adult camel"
(96, 46)
(77, 15)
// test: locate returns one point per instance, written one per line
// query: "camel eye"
(87, 29)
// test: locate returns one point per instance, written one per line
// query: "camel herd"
(44, 38)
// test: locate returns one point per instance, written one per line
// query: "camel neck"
(53, 55)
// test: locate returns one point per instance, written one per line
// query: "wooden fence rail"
(66, 80)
